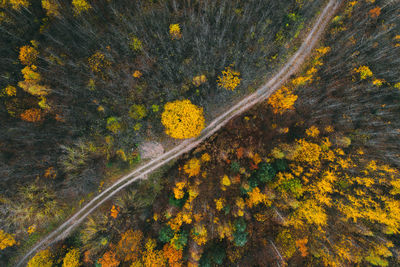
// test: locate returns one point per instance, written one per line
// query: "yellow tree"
(199, 234)
(175, 31)
(229, 80)
(152, 256)
(31, 82)
(28, 55)
(256, 197)
(10, 91)
(129, 246)
(364, 72)
(32, 115)
(182, 119)
(178, 190)
(41, 259)
(81, 6)
(307, 151)
(71, 259)
(109, 259)
(192, 167)
(6, 240)
(17, 4)
(51, 7)
(282, 100)
(98, 62)
(173, 256)
(199, 80)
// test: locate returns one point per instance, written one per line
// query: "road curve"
(291, 67)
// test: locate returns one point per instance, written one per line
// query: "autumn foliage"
(114, 211)
(32, 115)
(192, 167)
(28, 55)
(98, 62)
(41, 259)
(175, 31)
(51, 7)
(172, 255)
(282, 100)
(18, 4)
(375, 12)
(129, 246)
(81, 6)
(6, 240)
(71, 259)
(230, 79)
(109, 259)
(182, 119)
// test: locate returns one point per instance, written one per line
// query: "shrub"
(135, 44)
(137, 112)
(113, 124)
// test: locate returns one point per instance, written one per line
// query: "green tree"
(165, 234)
(265, 172)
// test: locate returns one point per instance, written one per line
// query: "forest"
(309, 177)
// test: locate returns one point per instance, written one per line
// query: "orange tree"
(182, 119)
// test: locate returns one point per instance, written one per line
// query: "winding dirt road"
(291, 67)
